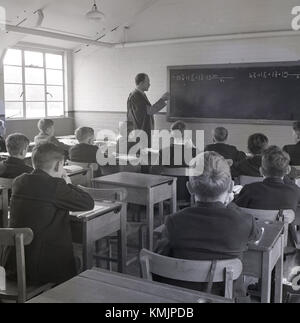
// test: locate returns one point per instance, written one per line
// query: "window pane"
(54, 77)
(35, 109)
(12, 74)
(55, 93)
(13, 110)
(13, 57)
(54, 61)
(13, 92)
(55, 109)
(35, 93)
(34, 75)
(34, 59)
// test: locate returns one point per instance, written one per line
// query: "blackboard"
(264, 91)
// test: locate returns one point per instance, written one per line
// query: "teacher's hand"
(166, 97)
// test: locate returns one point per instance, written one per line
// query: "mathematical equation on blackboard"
(273, 75)
(201, 77)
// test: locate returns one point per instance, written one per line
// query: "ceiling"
(149, 19)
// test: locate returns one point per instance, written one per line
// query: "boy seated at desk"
(294, 150)
(46, 135)
(85, 151)
(274, 193)
(257, 143)
(220, 146)
(17, 146)
(213, 229)
(41, 201)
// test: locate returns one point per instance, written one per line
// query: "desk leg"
(88, 246)
(266, 278)
(174, 198)
(279, 276)
(122, 241)
(150, 219)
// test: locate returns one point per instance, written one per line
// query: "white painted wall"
(103, 78)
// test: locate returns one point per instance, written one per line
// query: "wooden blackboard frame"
(229, 65)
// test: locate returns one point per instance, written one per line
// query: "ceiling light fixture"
(94, 13)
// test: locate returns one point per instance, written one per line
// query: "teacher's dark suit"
(42, 203)
(137, 112)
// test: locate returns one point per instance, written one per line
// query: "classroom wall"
(103, 79)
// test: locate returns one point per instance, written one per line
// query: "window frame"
(44, 52)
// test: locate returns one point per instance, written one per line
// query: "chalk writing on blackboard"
(201, 77)
(273, 75)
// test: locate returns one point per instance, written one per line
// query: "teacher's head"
(142, 82)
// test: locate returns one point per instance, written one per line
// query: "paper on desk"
(97, 208)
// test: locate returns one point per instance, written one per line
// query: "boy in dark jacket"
(212, 229)
(41, 201)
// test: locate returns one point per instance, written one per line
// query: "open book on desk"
(97, 208)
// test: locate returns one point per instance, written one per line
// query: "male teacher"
(139, 110)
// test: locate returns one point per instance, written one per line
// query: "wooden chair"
(19, 291)
(245, 180)
(288, 217)
(192, 271)
(105, 195)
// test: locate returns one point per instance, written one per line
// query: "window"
(33, 84)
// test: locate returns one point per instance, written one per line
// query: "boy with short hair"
(85, 151)
(220, 146)
(213, 228)
(257, 143)
(41, 201)
(46, 135)
(17, 146)
(294, 150)
(274, 193)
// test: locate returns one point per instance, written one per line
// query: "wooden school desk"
(143, 189)
(99, 286)
(89, 227)
(260, 260)
(79, 175)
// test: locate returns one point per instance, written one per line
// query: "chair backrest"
(113, 195)
(191, 271)
(17, 238)
(245, 180)
(271, 216)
